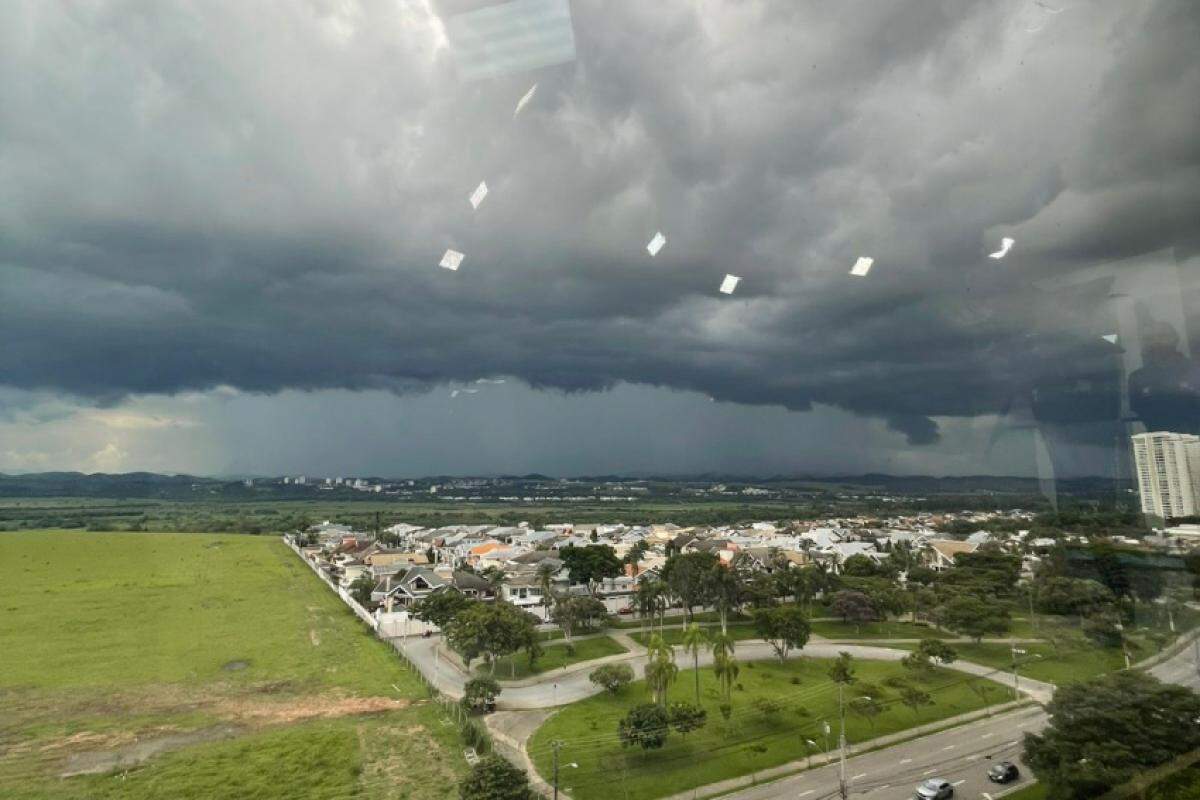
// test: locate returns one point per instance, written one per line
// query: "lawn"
(1073, 661)
(674, 636)
(753, 739)
(891, 629)
(116, 638)
(555, 656)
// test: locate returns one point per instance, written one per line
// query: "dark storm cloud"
(257, 195)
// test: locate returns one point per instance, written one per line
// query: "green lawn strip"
(890, 629)
(674, 636)
(554, 656)
(1072, 662)
(1035, 792)
(750, 742)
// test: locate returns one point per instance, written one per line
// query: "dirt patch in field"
(98, 762)
(258, 712)
(235, 666)
(314, 637)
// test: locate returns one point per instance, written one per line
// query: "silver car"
(934, 789)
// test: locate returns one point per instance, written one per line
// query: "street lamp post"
(1016, 675)
(557, 744)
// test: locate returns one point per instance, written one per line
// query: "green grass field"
(556, 656)
(115, 637)
(751, 740)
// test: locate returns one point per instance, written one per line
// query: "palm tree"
(694, 640)
(545, 574)
(725, 587)
(724, 664)
(661, 669)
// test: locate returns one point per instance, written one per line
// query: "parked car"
(934, 789)
(625, 610)
(1003, 772)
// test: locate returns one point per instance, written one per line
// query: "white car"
(934, 789)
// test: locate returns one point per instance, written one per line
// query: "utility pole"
(842, 747)
(556, 744)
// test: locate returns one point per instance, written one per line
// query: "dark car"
(934, 789)
(1003, 772)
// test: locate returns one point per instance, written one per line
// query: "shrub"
(612, 677)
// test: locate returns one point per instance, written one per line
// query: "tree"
(440, 607)
(686, 717)
(687, 575)
(784, 627)
(571, 613)
(973, 617)
(493, 778)
(725, 665)
(1105, 730)
(491, 630)
(545, 576)
(590, 565)
(851, 605)
(1104, 630)
(661, 669)
(651, 599)
(860, 566)
(928, 651)
(725, 588)
(493, 575)
(1070, 596)
(645, 726)
(635, 553)
(479, 693)
(361, 588)
(868, 708)
(695, 640)
(842, 669)
(612, 677)
(915, 698)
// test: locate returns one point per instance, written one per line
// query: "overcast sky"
(220, 224)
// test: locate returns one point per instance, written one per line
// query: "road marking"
(987, 735)
(927, 772)
(960, 781)
(810, 791)
(906, 761)
(859, 775)
(1010, 744)
(879, 788)
(972, 757)
(950, 747)
(987, 796)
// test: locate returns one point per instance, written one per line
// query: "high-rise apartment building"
(1168, 470)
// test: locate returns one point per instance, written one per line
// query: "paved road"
(1183, 668)
(571, 684)
(961, 754)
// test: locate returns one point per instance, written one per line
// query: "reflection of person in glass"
(1165, 391)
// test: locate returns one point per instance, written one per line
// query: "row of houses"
(519, 563)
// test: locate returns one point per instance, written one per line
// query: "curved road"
(570, 684)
